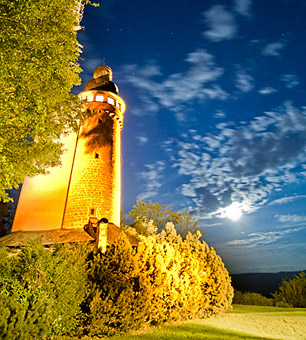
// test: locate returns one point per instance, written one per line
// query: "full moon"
(233, 212)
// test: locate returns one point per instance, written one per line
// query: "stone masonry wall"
(95, 180)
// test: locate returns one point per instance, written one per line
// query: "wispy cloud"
(274, 49)
(291, 218)
(290, 80)
(219, 114)
(178, 89)
(244, 81)
(267, 90)
(243, 7)
(142, 140)
(209, 225)
(151, 178)
(285, 200)
(255, 239)
(242, 164)
(221, 23)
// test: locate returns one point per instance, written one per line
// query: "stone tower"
(94, 188)
(88, 182)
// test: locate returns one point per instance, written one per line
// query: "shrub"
(160, 215)
(166, 278)
(248, 298)
(41, 290)
(114, 305)
(292, 293)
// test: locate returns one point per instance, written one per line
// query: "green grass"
(241, 323)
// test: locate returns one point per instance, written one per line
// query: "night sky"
(216, 117)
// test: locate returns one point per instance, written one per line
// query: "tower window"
(100, 121)
(90, 98)
(118, 105)
(97, 155)
(111, 101)
(92, 211)
(99, 98)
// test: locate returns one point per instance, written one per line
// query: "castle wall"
(42, 198)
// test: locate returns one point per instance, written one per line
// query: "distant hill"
(263, 283)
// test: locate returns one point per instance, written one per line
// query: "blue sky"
(216, 117)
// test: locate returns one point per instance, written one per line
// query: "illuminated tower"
(94, 188)
(88, 182)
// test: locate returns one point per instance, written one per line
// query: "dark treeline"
(290, 293)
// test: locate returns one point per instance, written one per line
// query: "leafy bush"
(160, 215)
(166, 278)
(248, 298)
(292, 293)
(72, 289)
(41, 290)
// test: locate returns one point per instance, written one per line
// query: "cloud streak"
(243, 7)
(291, 218)
(221, 23)
(178, 89)
(242, 164)
(273, 49)
(290, 80)
(285, 200)
(267, 90)
(142, 140)
(244, 81)
(262, 238)
(152, 180)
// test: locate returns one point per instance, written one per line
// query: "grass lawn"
(241, 323)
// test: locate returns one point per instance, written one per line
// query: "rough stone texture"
(87, 184)
(20, 238)
(95, 180)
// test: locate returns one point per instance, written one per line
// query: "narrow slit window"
(97, 155)
(99, 98)
(111, 101)
(92, 211)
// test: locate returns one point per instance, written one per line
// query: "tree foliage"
(38, 67)
(292, 293)
(41, 290)
(249, 298)
(166, 278)
(160, 215)
(73, 289)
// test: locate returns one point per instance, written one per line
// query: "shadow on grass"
(192, 332)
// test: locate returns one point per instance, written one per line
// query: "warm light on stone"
(88, 182)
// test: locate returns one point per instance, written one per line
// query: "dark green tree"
(38, 67)
(292, 293)
(115, 303)
(249, 298)
(161, 214)
(41, 290)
